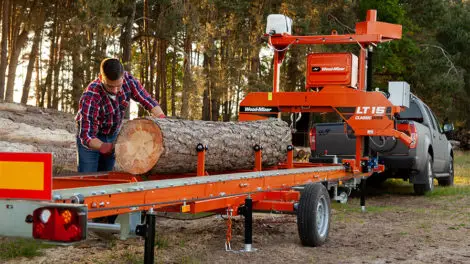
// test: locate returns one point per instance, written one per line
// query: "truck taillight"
(59, 224)
(413, 135)
(313, 141)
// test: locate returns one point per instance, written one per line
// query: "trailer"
(36, 204)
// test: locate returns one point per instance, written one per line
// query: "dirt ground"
(398, 227)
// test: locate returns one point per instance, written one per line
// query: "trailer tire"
(313, 216)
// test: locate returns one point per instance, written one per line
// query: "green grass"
(462, 159)
(132, 258)
(349, 208)
(462, 168)
(462, 190)
(189, 260)
(461, 179)
(21, 248)
(348, 212)
(161, 241)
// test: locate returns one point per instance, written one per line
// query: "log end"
(138, 146)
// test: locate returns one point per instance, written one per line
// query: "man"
(101, 112)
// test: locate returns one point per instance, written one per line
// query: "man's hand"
(157, 112)
(106, 149)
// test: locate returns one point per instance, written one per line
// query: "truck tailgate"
(331, 139)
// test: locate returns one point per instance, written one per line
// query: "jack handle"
(407, 140)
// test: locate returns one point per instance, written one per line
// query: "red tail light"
(59, 224)
(313, 138)
(413, 135)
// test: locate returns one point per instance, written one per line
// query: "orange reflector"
(185, 208)
(66, 216)
(24, 175)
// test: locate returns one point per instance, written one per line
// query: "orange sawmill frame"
(355, 106)
(268, 192)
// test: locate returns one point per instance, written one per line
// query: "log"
(26, 134)
(301, 154)
(169, 145)
(63, 159)
(33, 129)
(12, 107)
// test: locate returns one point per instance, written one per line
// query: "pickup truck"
(430, 157)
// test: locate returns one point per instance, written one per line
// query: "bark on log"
(63, 159)
(32, 129)
(12, 107)
(169, 145)
(19, 132)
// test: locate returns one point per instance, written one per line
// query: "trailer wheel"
(313, 216)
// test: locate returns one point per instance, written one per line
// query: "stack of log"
(32, 129)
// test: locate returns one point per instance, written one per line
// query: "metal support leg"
(248, 213)
(201, 160)
(258, 157)
(148, 232)
(128, 224)
(363, 194)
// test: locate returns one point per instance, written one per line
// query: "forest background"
(199, 58)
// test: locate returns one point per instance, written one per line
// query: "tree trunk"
(169, 145)
(187, 77)
(173, 82)
(206, 103)
(256, 17)
(227, 107)
(215, 93)
(144, 78)
(52, 52)
(98, 55)
(32, 58)
(126, 42)
(227, 81)
(293, 72)
(77, 77)
(38, 80)
(153, 87)
(20, 41)
(162, 66)
(126, 36)
(4, 48)
(57, 65)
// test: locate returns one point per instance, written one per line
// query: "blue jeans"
(91, 160)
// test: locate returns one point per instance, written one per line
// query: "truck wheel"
(449, 180)
(313, 216)
(428, 176)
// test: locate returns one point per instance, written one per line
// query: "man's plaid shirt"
(99, 114)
